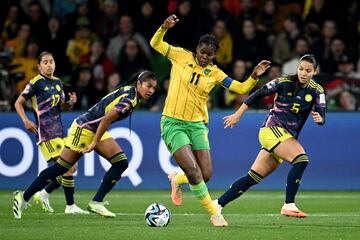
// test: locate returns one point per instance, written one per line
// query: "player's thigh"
(174, 134)
(70, 156)
(289, 149)
(264, 163)
(108, 148)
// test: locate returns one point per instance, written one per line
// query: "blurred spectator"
(265, 20)
(106, 27)
(27, 65)
(7, 81)
(147, 20)
(321, 47)
(17, 45)
(347, 101)
(80, 44)
(286, 8)
(185, 28)
(82, 87)
(301, 48)
(208, 15)
(318, 13)
(98, 61)
(126, 31)
(132, 59)
(285, 41)
(160, 100)
(224, 54)
(45, 5)
(81, 11)
(55, 42)
(239, 72)
(37, 20)
(248, 10)
(346, 68)
(251, 47)
(11, 23)
(336, 54)
(113, 82)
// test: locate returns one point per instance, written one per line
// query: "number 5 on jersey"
(295, 108)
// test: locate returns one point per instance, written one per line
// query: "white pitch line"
(204, 214)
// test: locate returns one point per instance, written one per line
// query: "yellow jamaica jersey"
(190, 84)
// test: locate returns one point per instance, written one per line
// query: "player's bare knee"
(194, 175)
(207, 175)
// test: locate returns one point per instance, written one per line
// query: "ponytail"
(141, 76)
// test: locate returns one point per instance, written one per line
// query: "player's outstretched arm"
(245, 87)
(231, 120)
(157, 41)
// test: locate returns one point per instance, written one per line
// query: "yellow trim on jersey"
(35, 79)
(283, 79)
(114, 102)
(79, 138)
(316, 86)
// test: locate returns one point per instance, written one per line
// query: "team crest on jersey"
(308, 97)
(207, 71)
(58, 87)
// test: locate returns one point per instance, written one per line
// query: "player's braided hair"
(209, 40)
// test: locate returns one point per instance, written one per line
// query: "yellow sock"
(181, 178)
(201, 192)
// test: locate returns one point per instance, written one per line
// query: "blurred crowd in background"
(97, 44)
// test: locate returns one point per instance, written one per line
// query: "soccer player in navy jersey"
(48, 100)
(89, 132)
(297, 96)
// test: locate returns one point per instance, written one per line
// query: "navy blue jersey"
(46, 98)
(292, 104)
(123, 100)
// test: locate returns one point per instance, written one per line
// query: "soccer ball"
(157, 215)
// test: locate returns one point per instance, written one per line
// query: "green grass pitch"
(332, 215)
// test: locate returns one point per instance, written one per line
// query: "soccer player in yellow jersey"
(185, 115)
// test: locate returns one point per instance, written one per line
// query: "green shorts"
(177, 133)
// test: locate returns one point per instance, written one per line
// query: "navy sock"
(46, 176)
(119, 165)
(294, 177)
(68, 184)
(52, 186)
(239, 187)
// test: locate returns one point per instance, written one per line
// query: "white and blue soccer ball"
(157, 215)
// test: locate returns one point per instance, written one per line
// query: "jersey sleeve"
(320, 104)
(165, 49)
(62, 93)
(266, 90)
(29, 91)
(239, 87)
(125, 103)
